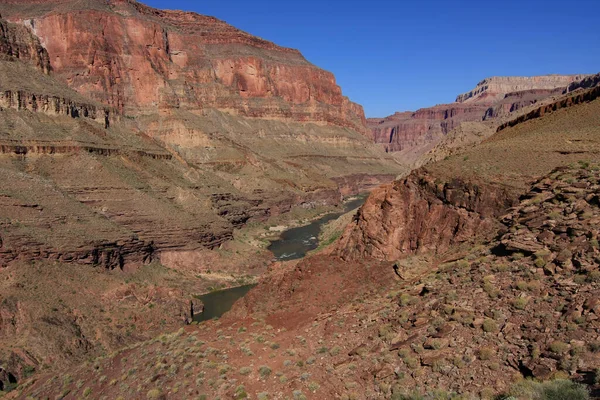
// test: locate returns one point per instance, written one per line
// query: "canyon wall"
(17, 42)
(492, 99)
(140, 60)
(160, 131)
(495, 88)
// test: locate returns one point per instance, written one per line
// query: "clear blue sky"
(402, 55)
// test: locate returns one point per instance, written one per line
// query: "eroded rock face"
(409, 129)
(136, 58)
(419, 214)
(17, 42)
(493, 98)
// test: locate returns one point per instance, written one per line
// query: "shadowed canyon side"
(473, 114)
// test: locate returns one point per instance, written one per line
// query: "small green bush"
(489, 325)
(153, 394)
(264, 371)
(560, 389)
(520, 303)
(558, 347)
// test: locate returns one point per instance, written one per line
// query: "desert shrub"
(240, 393)
(245, 370)
(298, 395)
(406, 299)
(593, 276)
(485, 353)
(594, 347)
(560, 389)
(153, 394)
(490, 289)
(558, 347)
(489, 325)
(520, 303)
(264, 371)
(540, 262)
(411, 362)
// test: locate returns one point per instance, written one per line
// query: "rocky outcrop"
(53, 105)
(419, 214)
(496, 87)
(129, 254)
(17, 42)
(139, 59)
(586, 83)
(558, 220)
(23, 148)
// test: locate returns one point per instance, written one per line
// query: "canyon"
(140, 152)
(149, 156)
(474, 114)
(499, 283)
(177, 112)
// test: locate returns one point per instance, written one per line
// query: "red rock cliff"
(139, 59)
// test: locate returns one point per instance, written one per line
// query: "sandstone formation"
(17, 42)
(420, 214)
(139, 59)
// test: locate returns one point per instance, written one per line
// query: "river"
(218, 303)
(292, 244)
(296, 242)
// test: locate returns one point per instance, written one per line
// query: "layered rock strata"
(495, 88)
(492, 99)
(139, 59)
